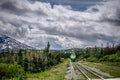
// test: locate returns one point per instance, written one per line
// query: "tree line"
(27, 61)
(110, 53)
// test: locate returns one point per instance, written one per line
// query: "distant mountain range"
(10, 43)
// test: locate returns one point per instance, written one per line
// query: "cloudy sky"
(64, 23)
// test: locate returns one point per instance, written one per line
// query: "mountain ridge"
(7, 42)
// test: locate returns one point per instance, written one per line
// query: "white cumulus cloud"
(35, 23)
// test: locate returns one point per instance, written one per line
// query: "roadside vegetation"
(110, 54)
(10, 70)
(107, 59)
(19, 63)
(57, 72)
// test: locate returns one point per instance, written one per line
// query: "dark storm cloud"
(13, 21)
(113, 14)
(14, 7)
(114, 20)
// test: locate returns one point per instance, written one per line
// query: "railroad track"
(87, 73)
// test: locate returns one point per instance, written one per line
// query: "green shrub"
(10, 70)
(111, 58)
(92, 59)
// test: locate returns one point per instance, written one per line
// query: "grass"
(105, 67)
(57, 72)
(111, 63)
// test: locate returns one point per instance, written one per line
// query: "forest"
(17, 63)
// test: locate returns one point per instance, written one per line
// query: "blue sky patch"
(77, 5)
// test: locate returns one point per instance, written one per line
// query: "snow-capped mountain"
(10, 43)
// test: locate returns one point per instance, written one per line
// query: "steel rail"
(91, 71)
(82, 71)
